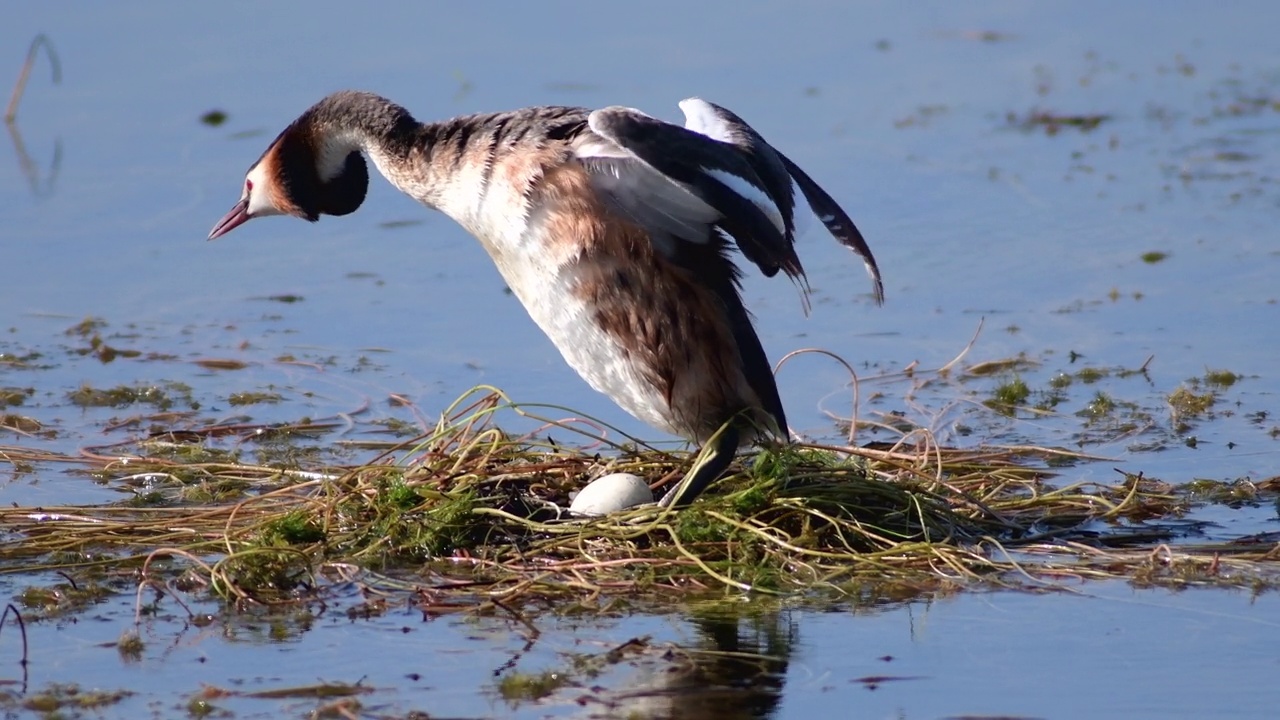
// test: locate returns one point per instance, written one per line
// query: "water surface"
(911, 115)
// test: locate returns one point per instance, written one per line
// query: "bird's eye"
(248, 186)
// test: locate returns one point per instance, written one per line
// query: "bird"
(613, 228)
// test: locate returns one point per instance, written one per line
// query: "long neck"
(428, 162)
(351, 121)
(465, 167)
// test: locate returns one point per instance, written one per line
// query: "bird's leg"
(714, 459)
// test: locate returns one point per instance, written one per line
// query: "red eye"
(248, 186)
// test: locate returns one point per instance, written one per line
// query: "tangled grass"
(468, 517)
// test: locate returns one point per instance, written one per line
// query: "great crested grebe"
(610, 226)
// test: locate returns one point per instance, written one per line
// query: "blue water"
(900, 111)
(1100, 651)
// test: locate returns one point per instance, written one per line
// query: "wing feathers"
(717, 171)
(650, 199)
(837, 222)
(723, 125)
(780, 175)
(713, 172)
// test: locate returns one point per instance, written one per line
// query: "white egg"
(611, 493)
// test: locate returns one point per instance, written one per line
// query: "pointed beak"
(232, 220)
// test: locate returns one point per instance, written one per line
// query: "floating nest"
(468, 516)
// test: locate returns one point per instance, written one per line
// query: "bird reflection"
(735, 671)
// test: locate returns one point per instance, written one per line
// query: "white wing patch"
(700, 117)
(661, 205)
(752, 193)
(598, 147)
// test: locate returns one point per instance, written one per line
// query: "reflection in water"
(743, 677)
(29, 168)
(735, 672)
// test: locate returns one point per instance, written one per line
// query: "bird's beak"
(232, 220)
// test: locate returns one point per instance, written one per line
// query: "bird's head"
(305, 173)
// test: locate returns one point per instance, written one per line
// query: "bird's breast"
(635, 327)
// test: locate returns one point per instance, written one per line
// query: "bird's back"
(613, 228)
(653, 322)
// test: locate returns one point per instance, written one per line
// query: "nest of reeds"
(468, 516)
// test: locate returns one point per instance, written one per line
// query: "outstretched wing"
(723, 126)
(779, 175)
(681, 183)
